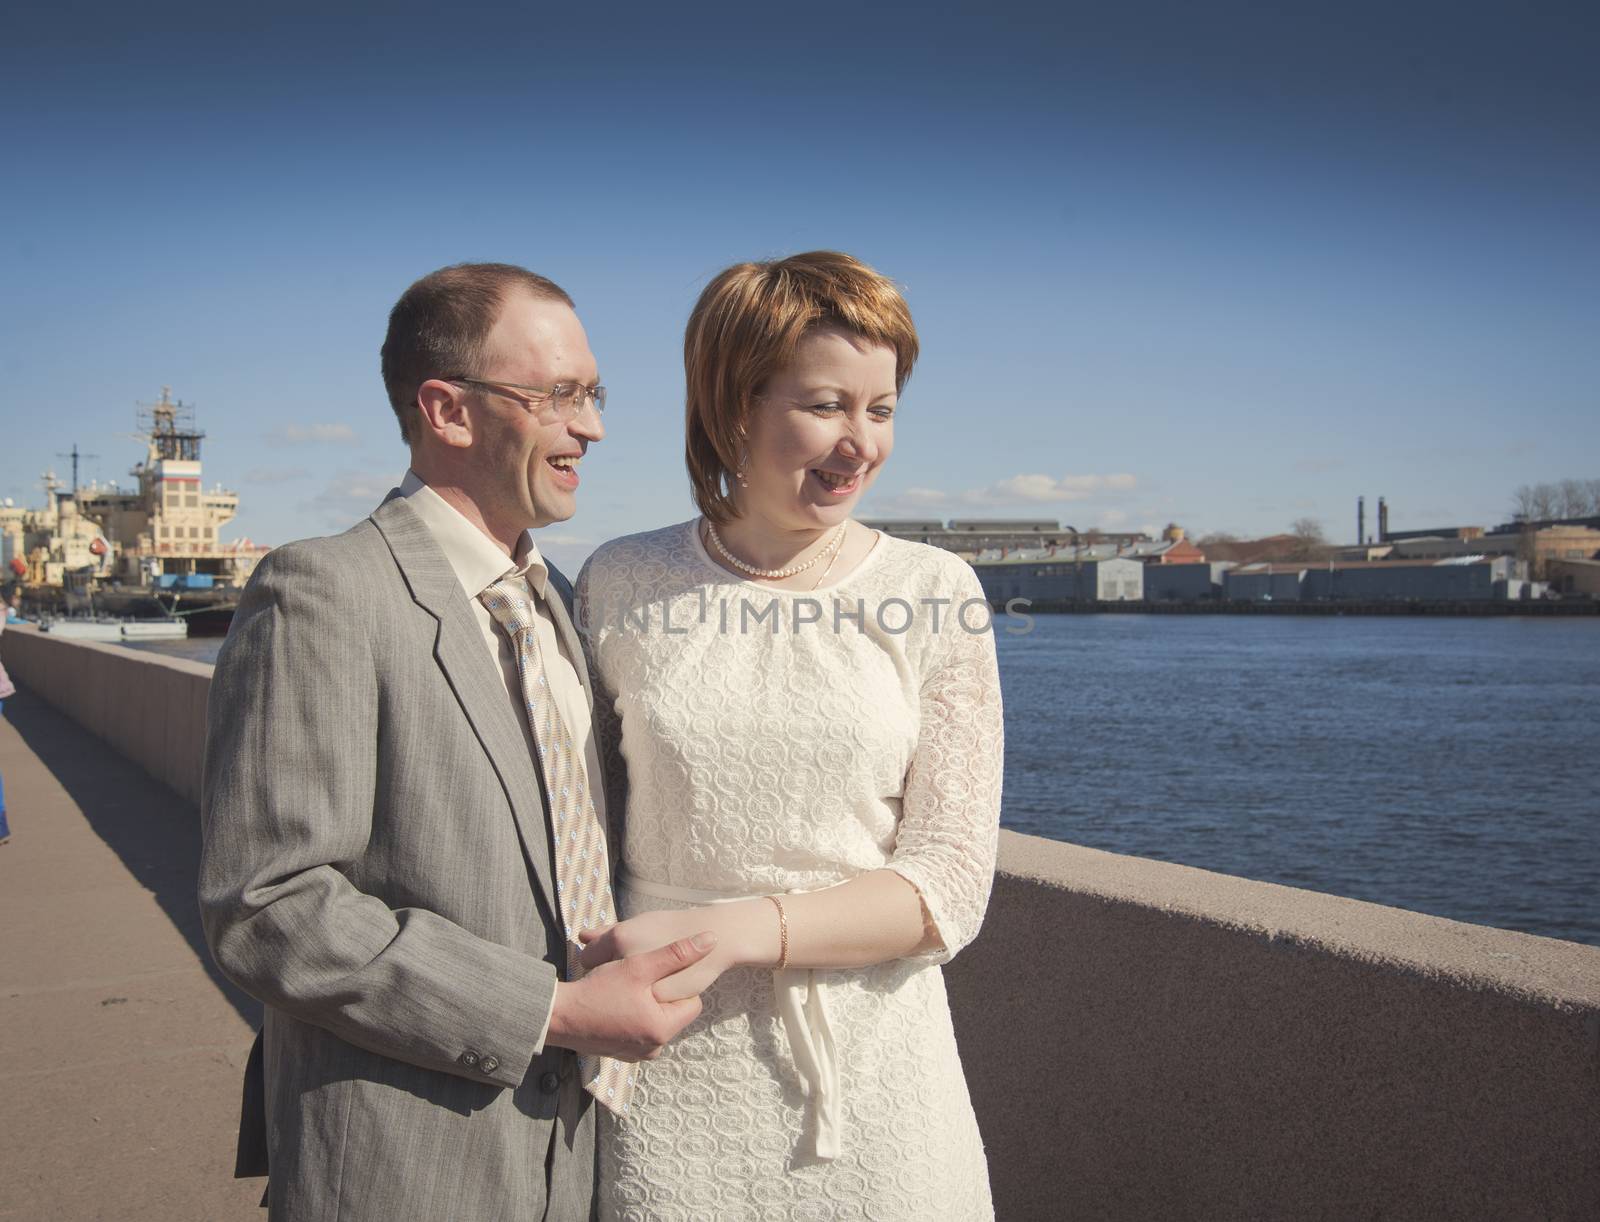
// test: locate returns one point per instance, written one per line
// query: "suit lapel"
(473, 677)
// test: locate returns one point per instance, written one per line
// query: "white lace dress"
(778, 741)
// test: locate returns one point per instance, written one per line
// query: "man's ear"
(445, 413)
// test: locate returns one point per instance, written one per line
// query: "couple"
(643, 924)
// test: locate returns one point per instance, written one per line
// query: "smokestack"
(1361, 521)
(1383, 520)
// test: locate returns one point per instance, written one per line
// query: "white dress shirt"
(478, 563)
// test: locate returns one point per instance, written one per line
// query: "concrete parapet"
(149, 708)
(1145, 1040)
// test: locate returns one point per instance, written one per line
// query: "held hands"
(746, 934)
(618, 1009)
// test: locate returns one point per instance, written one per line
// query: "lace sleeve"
(607, 723)
(950, 813)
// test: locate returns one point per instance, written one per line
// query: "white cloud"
(1050, 490)
(350, 496)
(274, 475)
(927, 496)
(1025, 489)
(1113, 517)
(313, 434)
(911, 500)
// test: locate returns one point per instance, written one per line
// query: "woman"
(8, 614)
(810, 719)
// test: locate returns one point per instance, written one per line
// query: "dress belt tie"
(801, 999)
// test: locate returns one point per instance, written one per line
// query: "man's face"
(526, 471)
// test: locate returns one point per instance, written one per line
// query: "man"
(378, 802)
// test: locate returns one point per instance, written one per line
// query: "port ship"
(117, 561)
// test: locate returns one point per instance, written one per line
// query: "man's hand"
(613, 1011)
(746, 933)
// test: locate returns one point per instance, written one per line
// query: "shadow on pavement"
(154, 831)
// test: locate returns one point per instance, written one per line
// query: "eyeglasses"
(562, 401)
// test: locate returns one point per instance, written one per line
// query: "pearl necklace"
(773, 574)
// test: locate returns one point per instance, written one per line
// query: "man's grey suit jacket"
(376, 870)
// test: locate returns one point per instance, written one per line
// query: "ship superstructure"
(43, 546)
(164, 530)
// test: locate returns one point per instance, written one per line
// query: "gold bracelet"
(783, 933)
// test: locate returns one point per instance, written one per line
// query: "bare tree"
(1308, 537)
(1522, 504)
(1594, 497)
(1572, 498)
(1544, 501)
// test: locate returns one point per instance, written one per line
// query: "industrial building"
(1054, 580)
(1262, 583)
(1539, 543)
(1164, 582)
(1466, 579)
(975, 536)
(1574, 576)
(1046, 562)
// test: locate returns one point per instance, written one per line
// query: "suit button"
(469, 1058)
(489, 1064)
(549, 1081)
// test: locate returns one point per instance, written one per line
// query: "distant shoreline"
(1045, 606)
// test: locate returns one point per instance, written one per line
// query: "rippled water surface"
(1441, 765)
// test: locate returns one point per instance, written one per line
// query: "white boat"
(118, 630)
(155, 629)
(84, 629)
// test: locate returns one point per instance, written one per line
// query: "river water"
(1441, 765)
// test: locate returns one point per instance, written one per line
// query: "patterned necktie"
(583, 881)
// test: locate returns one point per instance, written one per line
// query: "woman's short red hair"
(748, 324)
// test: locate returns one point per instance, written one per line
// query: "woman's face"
(819, 433)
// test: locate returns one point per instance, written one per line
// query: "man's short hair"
(746, 327)
(440, 324)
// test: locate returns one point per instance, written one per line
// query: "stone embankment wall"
(1144, 1040)
(146, 707)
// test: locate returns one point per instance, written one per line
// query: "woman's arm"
(867, 920)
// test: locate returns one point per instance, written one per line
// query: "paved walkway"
(120, 1049)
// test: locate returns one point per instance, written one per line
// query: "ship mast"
(170, 427)
(75, 456)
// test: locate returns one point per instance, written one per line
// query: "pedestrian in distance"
(7, 690)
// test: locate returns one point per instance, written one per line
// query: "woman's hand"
(747, 935)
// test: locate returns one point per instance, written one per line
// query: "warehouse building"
(1042, 579)
(971, 537)
(1575, 576)
(1469, 579)
(1184, 582)
(1262, 583)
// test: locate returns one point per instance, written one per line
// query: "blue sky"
(1229, 265)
